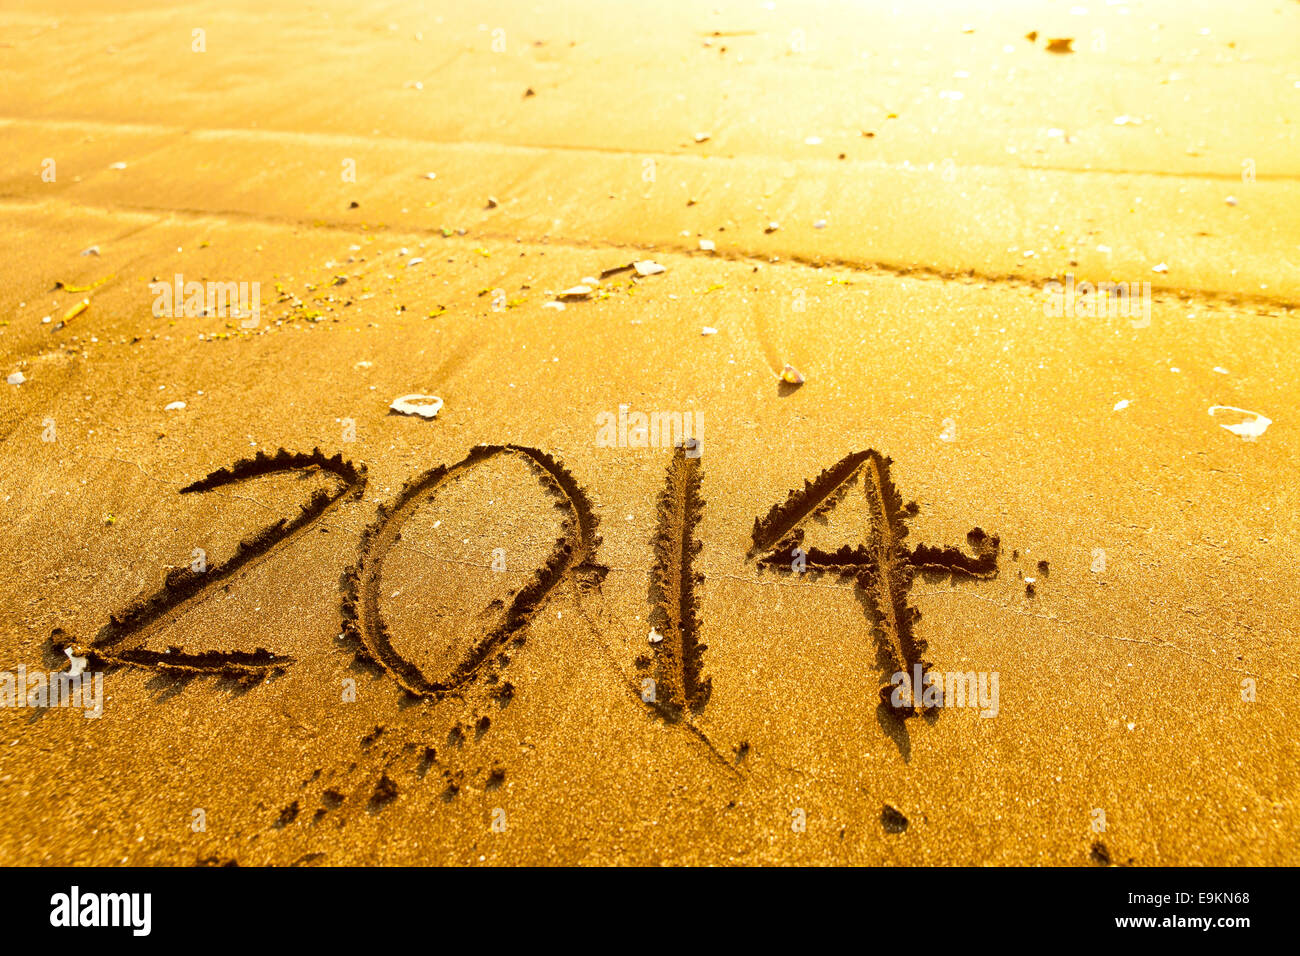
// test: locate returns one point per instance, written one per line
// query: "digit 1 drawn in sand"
(673, 591)
(883, 568)
(121, 640)
(572, 557)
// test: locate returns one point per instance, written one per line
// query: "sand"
(442, 655)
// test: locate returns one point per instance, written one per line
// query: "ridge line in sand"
(350, 140)
(1243, 302)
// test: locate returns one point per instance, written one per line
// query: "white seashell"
(426, 406)
(1248, 430)
(78, 663)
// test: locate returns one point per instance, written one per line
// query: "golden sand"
(516, 632)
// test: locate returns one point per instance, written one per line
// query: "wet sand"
(455, 671)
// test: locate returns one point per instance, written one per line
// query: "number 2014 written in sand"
(881, 568)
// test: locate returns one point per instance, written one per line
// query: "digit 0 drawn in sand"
(674, 591)
(122, 639)
(572, 557)
(883, 568)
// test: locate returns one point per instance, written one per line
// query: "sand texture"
(334, 634)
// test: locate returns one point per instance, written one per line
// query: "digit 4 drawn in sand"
(882, 569)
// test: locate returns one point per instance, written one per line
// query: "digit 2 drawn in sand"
(122, 639)
(673, 591)
(572, 557)
(883, 568)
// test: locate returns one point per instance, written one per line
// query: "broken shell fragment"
(426, 406)
(78, 664)
(1254, 426)
(655, 636)
(644, 267)
(791, 375)
(72, 313)
(577, 292)
(707, 245)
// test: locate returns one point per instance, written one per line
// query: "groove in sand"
(674, 589)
